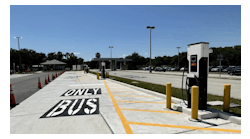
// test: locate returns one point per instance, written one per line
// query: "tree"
(59, 56)
(97, 55)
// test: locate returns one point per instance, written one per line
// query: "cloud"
(76, 53)
(124, 55)
(146, 53)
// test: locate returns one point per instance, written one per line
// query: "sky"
(88, 29)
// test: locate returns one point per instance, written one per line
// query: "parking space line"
(121, 90)
(81, 77)
(119, 112)
(152, 111)
(131, 96)
(141, 102)
(186, 127)
(125, 92)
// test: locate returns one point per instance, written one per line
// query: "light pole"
(178, 55)
(20, 66)
(111, 57)
(148, 27)
(111, 50)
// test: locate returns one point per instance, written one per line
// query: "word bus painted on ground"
(73, 107)
(80, 92)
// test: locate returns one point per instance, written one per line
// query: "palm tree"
(97, 55)
(59, 56)
(67, 55)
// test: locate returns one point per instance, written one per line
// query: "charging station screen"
(193, 63)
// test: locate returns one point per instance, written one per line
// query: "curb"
(181, 107)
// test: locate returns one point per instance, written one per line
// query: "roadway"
(215, 83)
(25, 85)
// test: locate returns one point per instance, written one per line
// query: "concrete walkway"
(67, 105)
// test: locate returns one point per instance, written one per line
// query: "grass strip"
(176, 92)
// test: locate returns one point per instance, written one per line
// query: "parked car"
(228, 69)
(158, 69)
(210, 67)
(175, 69)
(168, 68)
(235, 71)
(141, 68)
(163, 69)
(217, 69)
(183, 69)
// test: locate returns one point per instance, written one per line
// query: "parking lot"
(215, 82)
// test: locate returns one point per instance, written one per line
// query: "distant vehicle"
(158, 69)
(235, 71)
(227, 69)
(168, 68)
(175, 69)
(210, 67)
(163, 69)
(146, 68)
(141, 68)
(217, 69)
(183, 69)
(11, 71)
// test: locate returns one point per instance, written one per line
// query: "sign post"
(220, 57)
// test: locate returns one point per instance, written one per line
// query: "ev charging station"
(198, 66)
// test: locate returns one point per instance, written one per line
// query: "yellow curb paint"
(119, 112)
(124, 92)
(187, 127)
(141, 102)
(130, 96)
(81, 78)
(151, 111)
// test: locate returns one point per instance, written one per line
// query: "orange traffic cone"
(52, 76)
(39, 83)
(46, 80)
(12, 98)
(56, 75)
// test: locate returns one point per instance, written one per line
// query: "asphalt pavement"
(215, 83)
(24, 85)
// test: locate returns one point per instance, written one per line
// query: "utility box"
(198, 67)
(79, 67)
(74, 67)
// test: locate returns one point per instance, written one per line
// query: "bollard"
(226, 101)
(194, 102)
(168, 95)
(107, 74)
(97, 75)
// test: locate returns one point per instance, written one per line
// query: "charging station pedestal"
(198, 63)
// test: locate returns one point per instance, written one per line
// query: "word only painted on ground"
(80, 92)
(72, 77)
(73, 107)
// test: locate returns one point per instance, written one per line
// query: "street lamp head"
(178, 47)
(150, 27)
(110, 46)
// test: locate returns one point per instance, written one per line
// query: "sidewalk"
(68, 104)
